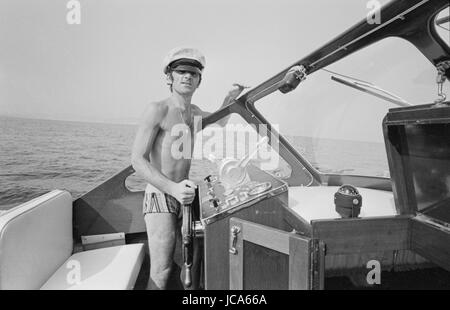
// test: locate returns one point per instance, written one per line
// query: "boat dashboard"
(218, 200)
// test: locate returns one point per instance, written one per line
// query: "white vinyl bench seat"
(113, 268)
(36, 246)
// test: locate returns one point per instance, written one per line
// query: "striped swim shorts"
(156, 201)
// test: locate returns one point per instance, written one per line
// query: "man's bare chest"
(173, 130)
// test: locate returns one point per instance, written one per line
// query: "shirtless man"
(167, 175)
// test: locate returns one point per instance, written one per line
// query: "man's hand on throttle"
(184, 191)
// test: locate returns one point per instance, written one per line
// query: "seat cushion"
(113, 268)
(35, 239)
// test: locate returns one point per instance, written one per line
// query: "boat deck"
(430, 278)
(421, 279)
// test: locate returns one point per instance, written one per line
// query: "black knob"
(215, 202)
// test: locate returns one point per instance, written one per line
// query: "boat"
(293, 226)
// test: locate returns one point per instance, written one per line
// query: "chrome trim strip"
(230, 210)
(399, 16)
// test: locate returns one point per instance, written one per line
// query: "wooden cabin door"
(263, 257)
(431, 241)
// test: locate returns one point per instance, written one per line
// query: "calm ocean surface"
(37, 156)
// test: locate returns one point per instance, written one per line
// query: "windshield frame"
(412, 21)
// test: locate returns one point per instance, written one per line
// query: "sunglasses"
(183, 72)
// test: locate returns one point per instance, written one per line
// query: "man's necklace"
(190, 118)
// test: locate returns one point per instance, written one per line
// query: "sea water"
(37, 156)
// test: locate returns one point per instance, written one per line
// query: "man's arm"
(183, 191)
(232, 95)
(143, 144)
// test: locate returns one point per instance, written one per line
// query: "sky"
(109, 67)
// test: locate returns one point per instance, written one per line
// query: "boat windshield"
(235, 140)
(339, 128)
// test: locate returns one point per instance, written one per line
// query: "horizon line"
(95, 121)
(124, 122)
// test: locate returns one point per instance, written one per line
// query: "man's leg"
(161, 232)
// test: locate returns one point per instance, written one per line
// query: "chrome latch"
(440, 79)
(293, 77)
(235, 230)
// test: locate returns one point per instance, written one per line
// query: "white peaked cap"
(183, 53)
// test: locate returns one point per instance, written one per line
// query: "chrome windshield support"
(373, 90)
(290, 81)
